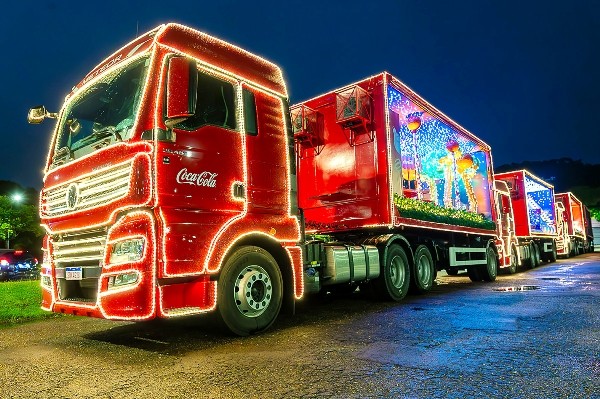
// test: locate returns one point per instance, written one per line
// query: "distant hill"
(565, 174)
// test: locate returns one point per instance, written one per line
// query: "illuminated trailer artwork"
(438, 172)
(540, 207)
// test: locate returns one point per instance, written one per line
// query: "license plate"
(73, 273)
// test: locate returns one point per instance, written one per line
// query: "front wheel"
(394, 280)
(249, 291)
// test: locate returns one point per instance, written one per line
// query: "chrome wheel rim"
(424, 270)
(253, 291)
(397, 274)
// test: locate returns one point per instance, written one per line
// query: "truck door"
(197, 172)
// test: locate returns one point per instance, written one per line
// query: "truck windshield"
(102, 114)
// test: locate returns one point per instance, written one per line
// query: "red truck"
(534, 214)
(588, 244)
(177, 183)
(572, 237)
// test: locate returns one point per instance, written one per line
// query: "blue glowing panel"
(434, 162)
(540, 206)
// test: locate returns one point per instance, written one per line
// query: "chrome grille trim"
(75, 248)
(86, 250)
(101, 187)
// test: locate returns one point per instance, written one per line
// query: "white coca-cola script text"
(203, 179)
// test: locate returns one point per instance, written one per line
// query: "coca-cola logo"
(203, 179)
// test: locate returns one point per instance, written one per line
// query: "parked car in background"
(16, 264)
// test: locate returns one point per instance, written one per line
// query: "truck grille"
(81, 249)
(102, 187)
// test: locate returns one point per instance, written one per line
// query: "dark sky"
(524, 76)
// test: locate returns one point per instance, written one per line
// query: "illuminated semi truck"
(177, 184)
(534, 215)
(572, 238)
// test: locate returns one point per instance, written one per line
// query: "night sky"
(524, 76)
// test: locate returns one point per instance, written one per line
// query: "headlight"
(127, 251)
(121, 280)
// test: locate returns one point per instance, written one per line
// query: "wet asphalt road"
(535, 334)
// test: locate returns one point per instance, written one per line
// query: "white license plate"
(73, 273)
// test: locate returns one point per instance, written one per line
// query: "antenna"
(137, 28)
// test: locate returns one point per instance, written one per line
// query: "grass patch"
(21, 303)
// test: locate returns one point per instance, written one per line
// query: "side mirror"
(182, 86)
(37, 115)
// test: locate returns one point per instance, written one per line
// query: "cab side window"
(250, 120)
(215, 105)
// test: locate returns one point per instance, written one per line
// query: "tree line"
(19, 218)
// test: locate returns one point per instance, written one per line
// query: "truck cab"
(165, 178)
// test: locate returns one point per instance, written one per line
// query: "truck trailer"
(534, 213)
(177, 183)
(571, 231)
(378, 165)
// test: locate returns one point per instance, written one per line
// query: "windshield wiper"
(62, 155)
(100, 135)
(104, 132)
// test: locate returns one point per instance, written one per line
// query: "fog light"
(121, 280)
(127, 251)
(46, 281)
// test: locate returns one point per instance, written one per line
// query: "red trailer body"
(534, 216)
(572, 227)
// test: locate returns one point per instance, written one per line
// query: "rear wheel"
(394, 280)
(490, 271)
(553, 254)
(424, 271)
(534, 256)
(474, 273)
(250, 291)
(512, 269)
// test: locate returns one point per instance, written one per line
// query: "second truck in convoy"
(534, 215)
(177, 183)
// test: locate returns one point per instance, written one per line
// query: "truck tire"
(424, 271)
(512, 269)
(553, 254)
(490, 271)
(534, 256)
(394, 280)
(249, 291)
(474, 273)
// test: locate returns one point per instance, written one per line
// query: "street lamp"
(15, 199)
